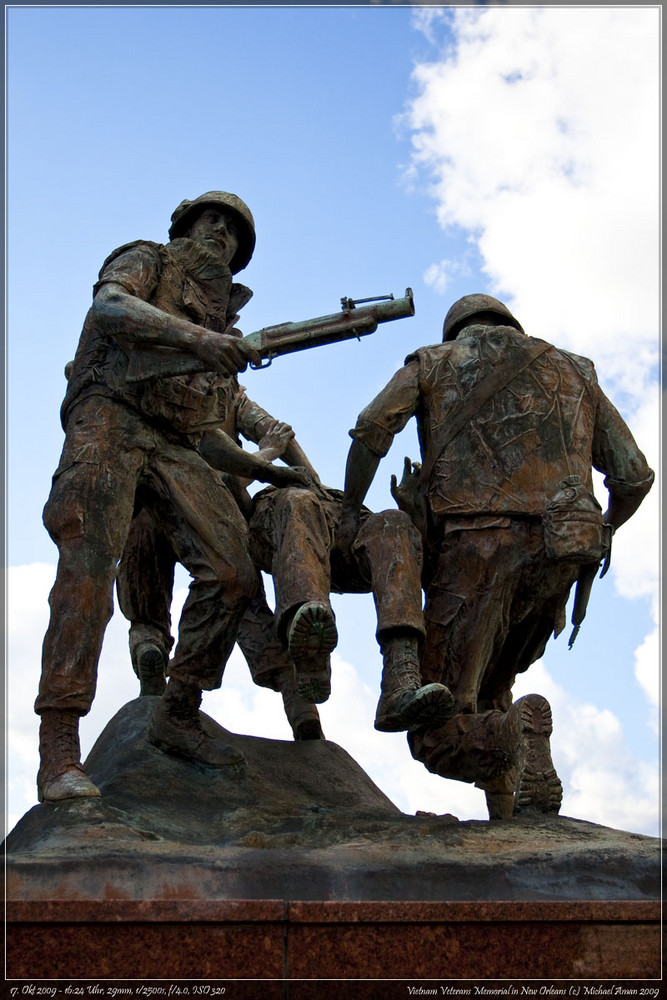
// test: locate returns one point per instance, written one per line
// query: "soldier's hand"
(295, 475)
(224, 353)
(407, 493)
(404, 492)
(273, 443)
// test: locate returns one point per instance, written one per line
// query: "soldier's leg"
(271, 666)
(144, 587)
(507, 754)
(87, 515)
(483, 620)
(388, 554)
(291, 537)
(467, 611)
(209, 536)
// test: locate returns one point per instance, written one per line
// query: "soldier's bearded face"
(218, 230)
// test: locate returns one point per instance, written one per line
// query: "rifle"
(285, 338)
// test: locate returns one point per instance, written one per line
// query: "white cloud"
(438, 276)
(538, 129)
(647, 659)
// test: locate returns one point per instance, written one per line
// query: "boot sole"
(539, 786)
(151, 664)
(312, 637)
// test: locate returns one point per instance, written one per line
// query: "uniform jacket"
(183, 279)
(552, 420)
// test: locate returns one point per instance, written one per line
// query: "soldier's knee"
(63, 517)
(295, 501)
(86, 562)
(395, 522)
(236, 577)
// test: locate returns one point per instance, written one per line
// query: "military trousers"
(492, 602)
(291, 536)
(145, 586)
(113, 463)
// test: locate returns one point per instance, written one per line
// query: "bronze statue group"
(470, 573)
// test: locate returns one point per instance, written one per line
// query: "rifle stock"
(285, 338)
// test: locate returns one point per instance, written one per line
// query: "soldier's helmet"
(183, 215)
(469, 306)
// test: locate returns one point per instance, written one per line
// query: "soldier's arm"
(256, 425)
(372, 437)
(131, 320)
(616, 453)
(224, 454)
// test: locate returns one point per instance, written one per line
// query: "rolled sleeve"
(390, 411)
(251, 420)
(135, 267)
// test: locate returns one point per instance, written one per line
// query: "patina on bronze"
(509, 428)
(291, 534)
(146, 416)
(136, 445)
(146, 575)
(272, 342)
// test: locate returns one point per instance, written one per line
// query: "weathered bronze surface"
(146, 575)
(152, 446)
(510, 429)
(496, 524)
(152, 473)
(285, 338)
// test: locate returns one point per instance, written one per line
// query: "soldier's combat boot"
(531, 784)
(61, 775)
(311, 637)
(405, 703)
(302, 715)
(150, 665)
(176, 729)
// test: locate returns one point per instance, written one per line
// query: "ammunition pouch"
(573, 527)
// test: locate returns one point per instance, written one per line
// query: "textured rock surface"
(299, 821)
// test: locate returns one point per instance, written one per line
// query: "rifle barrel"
(285, 338)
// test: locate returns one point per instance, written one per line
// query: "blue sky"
(378, 147)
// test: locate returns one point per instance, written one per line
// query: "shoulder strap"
(483, 391)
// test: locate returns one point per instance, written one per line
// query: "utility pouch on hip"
(573, 525)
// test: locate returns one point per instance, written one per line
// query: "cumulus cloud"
(537, 130)
(439, 276)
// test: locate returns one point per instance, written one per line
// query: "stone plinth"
(278, 940)
(298, 868)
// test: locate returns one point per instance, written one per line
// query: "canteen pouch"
(573, 525)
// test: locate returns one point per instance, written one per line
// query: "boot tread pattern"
(312, 636)
(539, 786)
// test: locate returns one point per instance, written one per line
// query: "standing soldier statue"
(133, 445)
